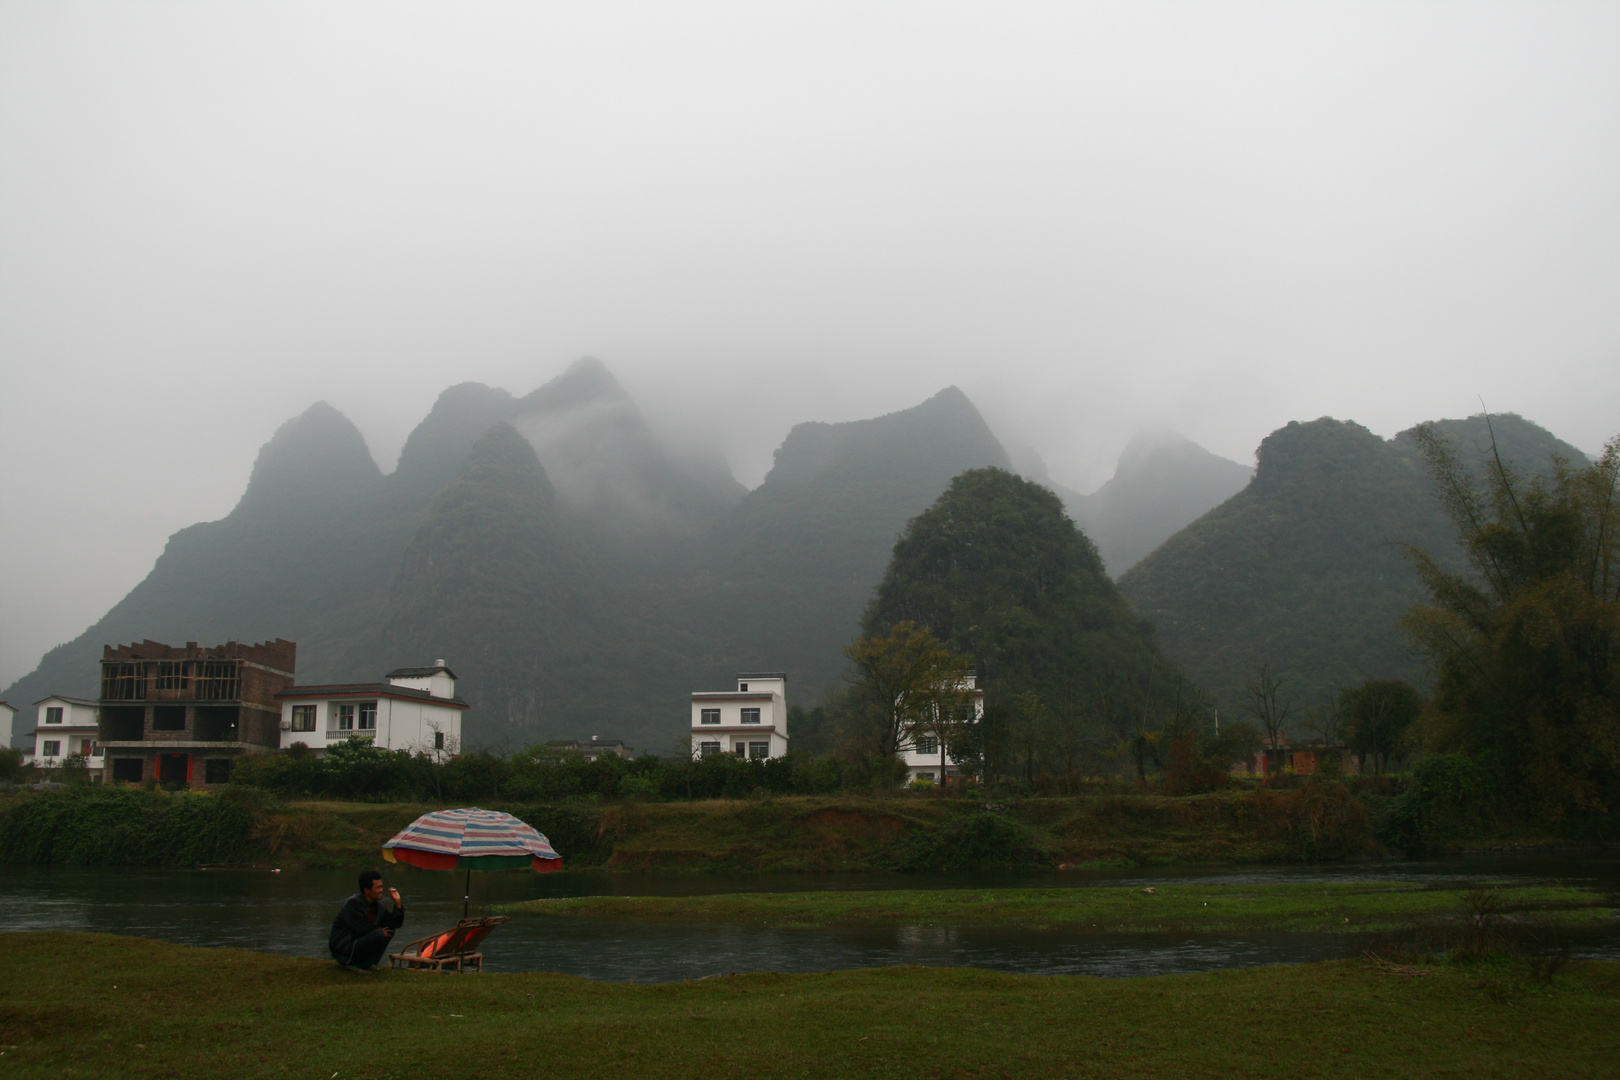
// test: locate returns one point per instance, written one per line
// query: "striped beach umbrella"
(471, 839)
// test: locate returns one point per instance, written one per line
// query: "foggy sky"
(1092, 218)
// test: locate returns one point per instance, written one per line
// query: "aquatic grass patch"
(97, 1005)
(1339, 907)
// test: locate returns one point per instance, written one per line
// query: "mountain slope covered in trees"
(998, 572)
(1305, 569)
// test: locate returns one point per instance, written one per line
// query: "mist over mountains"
(581, 579)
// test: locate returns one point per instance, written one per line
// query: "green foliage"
(982, 840)
(1448, 799)
(123, 826)
(11, 764)
(1378, 714)
(1304, 568)
(904, 683)
(1525, 642)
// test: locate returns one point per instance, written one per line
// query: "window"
(51, 748)
(127, 770)
(303, 718)
(438, 740)
(742, 687)
(927, 744)
(122, 682)
(926, 776)
(53, 714)
(750, 716)
(217, 770)
(345, 717)
(368, 716)
(708, 749)
(709, 716)
(173, 675)
(759, 749)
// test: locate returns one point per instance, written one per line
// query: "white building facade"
(63, 728)
(415, 710)
(925, 755)
(750, 721)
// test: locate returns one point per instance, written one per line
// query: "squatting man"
(362, 928)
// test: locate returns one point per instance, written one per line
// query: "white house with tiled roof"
(750, 721)
(416, 710)
(65, 726)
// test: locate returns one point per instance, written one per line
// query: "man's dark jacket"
(357, 918)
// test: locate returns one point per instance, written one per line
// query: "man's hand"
(393, 894)
(388, 931)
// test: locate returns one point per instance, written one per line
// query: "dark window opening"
(708, 716)
(438, 740)
(168, 718)
(220, 680)
(173, 675)
(750, 716)
(215, 723)
(217, 770)
(173, 770)
(123, 723)
(122, 682)
(127, 769)
(53, 714)
(303, 718)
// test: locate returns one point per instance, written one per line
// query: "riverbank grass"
(1224, 908)
(97, 1005)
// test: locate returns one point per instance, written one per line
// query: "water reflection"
(290, 913)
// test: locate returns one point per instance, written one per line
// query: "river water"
(290, 913)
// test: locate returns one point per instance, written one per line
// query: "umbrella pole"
(466, 896)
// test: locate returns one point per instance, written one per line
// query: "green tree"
(1524, 640)
(1377, 714)
(904, 684)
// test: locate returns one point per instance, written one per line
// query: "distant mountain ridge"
(579, 579)
(1164, 481)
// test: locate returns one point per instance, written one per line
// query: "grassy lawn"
(1315, 906)
(97, 1005)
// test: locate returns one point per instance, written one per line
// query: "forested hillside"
(998, 572)
(1304, 569)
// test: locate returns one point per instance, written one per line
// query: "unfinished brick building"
(183, 715)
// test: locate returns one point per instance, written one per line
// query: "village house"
(183, 715)
(416, 709)
(925, 755)
(595, 748)
(67, 726)
(750, 721)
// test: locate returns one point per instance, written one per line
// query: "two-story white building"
(64, 727)
(925, 755)
(416, 710)
(750, 721)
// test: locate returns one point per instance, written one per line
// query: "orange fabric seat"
(455, 949)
